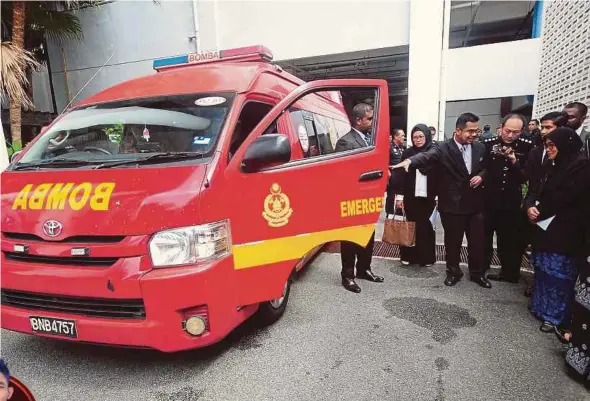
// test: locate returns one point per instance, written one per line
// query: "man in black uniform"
(351, 253)
(505, 163)
(396, 148)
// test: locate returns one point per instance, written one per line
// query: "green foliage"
(45, 19)
(115, 133)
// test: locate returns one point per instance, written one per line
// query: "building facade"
(437, 56)
(565, 68)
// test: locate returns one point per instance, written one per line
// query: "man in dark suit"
(461, 197)
(396, 148)
(351, 253)
(577, 113)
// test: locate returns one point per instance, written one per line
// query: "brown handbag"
(400, 232)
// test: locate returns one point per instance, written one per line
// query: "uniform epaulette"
(525, 140)
(488, 140)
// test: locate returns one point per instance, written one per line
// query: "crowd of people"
(527, 186)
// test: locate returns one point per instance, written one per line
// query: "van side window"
(317, 134)
(251, 115)
(305, 129)
(323, 132)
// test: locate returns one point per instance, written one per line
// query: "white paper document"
(544, 224)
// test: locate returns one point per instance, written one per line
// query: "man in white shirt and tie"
(460, 162)
(577, 113)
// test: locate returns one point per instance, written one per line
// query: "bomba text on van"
(55, 196)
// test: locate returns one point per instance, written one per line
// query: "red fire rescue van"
(166, 210)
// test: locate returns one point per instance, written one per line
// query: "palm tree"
(18, 39)
(14, 63)
(28, 24)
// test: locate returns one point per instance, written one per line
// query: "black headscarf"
(569, 159)
(414, 150)
(568, 144)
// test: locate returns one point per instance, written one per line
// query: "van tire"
(271, 311)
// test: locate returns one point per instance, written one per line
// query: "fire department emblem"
(277, 207)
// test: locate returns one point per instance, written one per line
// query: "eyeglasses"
(472, 131)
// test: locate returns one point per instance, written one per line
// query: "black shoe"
(482, 282)
(370, 276)
(547, 327)
(451, 280)
(501, 277)
(350, 285)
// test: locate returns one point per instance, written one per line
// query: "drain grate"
(386, 250)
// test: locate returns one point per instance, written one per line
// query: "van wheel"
(271, 311)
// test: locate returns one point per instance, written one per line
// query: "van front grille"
(95, 307)
(82, 239)
(59, 260)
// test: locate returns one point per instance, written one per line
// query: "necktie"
(465, 158)
(368, 139)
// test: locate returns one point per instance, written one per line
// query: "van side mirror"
(265, 151)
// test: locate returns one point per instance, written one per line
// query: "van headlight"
(190, 245)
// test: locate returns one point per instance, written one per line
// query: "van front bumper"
(169, 295)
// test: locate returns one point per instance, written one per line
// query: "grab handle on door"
(371, 175)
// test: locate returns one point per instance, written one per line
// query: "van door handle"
(371, 175)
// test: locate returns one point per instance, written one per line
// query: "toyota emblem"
(52, 228)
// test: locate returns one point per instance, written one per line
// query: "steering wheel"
(94, 148)
(58, 143)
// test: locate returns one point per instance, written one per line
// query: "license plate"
(56, 327)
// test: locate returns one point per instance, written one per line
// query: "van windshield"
(133, 130)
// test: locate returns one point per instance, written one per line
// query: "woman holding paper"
(558, 207)
(419, 191)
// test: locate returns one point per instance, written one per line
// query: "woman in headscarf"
(561, 207)
(577, 356)
(418, 201)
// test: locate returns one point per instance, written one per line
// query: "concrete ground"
(410, 338)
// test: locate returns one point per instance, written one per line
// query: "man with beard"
(505, 163)
(351, 253)
(577, 113)
(460, 163)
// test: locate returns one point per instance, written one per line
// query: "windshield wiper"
(155, 158)
(60, 161)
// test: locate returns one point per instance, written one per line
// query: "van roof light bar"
(250, 53)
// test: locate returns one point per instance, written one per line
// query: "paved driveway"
(410, 338)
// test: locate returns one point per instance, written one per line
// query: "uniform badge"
(277, 207)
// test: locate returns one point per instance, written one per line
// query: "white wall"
(295, 29)
(3, 152)
(490, 71)
(136, 32)
(425, 62)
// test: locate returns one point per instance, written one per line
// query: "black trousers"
(390, 201)
(508, 226)
(352, 253)
(419, 211)
(457, 225)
